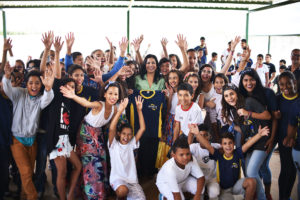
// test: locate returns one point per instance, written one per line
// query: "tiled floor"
(152, 192)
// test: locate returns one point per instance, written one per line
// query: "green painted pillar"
(269, 43)
(4, 23)
(247, 27)
(128, 29)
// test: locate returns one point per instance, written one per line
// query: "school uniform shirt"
(122, 161)
(154, 111)
(261, 71)
(192, 115)
(228, 169)
(250, 126)
(294, 120)
(174, 176)
(207, 165)
(285, 104)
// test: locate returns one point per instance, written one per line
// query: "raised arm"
(204, 142)
(57, 46)
(164, 43)
(137, 44)
(6, 47)
(47, 81)
(111, 54)
(114, 122)
(182, 44)
(245, 58)
(139, 106)
(261, 132)
(234, 42)
(70, 93)
(69, 42)
(119, 64)
(47, 39)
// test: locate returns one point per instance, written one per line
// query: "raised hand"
(169, 89)
(8, 70)
(181, 42)
(93, 62)
(164, 42)
(235, 42)
(68, 92)
(137, 43)
(97, 76)
(263, 131)
(139, 103)
(123, 46)
(123, 104)
(246, 53)
(48, 79)
(109, 42)
(58, 44)
(7, 45)
(47, 39)
(69, 41)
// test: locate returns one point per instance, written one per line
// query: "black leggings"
(287, 174)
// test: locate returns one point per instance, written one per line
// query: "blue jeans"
(253, 162)
(296, 157)
(265, 171)
(40, 177)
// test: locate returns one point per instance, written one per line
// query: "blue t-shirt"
(285, 104)
(294, 120)
(6, 110)
(154, 108)
(228, 169)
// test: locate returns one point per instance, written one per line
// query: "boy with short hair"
(229, 164)
(180, 174)
(207, 165)
(214, 58)
(186, 112)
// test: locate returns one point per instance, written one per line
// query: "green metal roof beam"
(119, 6)
(266, 2)
(275, 5)
(281, 35)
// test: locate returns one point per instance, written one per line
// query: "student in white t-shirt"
(207, 165)
(180, 174)
(262, 70)
(186, 112)
(123, 176)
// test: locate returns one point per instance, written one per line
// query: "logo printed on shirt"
(234, 165)
(205, 159)
(153, 107)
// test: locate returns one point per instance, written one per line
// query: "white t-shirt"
(173, 176)
(192, 115)
(218, 108)
(207, 165)
(174, 103)
(122, 161)
(235, 79)
(261, 72)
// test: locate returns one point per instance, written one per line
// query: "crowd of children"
(105, 122)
